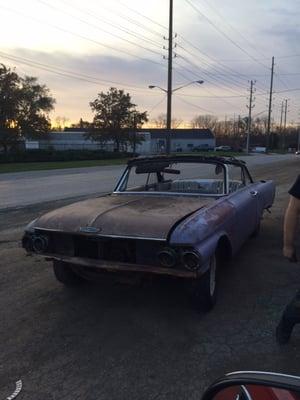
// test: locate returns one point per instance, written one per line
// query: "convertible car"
(180, 216)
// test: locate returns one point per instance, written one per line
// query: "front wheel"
(64, 274)
(205, 288)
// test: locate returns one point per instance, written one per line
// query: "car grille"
(104, 248)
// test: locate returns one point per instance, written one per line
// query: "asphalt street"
(118, 342)
(25, 188)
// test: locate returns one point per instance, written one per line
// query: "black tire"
(64, 274)
(204, 294)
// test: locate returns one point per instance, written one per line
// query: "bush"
(56, 155)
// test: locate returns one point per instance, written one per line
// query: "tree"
(81, 124)
(205, 121)
(24, 107)
(114, 114)
(60, 123)
(161, 122)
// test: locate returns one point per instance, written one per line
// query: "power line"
(220, 66)
(82, 36)
(109, 23)
(224, 34)
(142, 15)
(157, 104)
(254, 46)
(133, 21)
(206, 72)
(194, 105)
(68, 73)
(98, 28)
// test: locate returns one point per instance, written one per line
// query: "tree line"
(25, 105)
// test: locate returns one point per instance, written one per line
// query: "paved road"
(25, 188)
(112, 341)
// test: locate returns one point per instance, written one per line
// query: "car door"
(244, 196)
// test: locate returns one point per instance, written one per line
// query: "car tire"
(65, 275)
(205, 290)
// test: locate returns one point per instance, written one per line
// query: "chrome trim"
(170, 194)
(121, 266)
(102, 236)
(132, 237)
(226, 180)
(246, 393)
(263, 373)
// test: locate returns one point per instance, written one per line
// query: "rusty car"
(182, 216)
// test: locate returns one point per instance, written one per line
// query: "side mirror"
(254, 386)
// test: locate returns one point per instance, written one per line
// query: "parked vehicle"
(223, 148)
(182, 216)
(201, 148)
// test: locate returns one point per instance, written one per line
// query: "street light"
(178, 88)
(169, 112)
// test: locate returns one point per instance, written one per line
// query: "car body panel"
(124, 216)
(128, 230)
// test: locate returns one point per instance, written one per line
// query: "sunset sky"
(81, 48)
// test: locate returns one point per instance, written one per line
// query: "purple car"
(178, 216)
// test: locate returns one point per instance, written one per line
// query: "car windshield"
(177, 177)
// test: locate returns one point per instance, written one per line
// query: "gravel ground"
(111, 341)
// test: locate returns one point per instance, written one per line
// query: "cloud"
(262, 29)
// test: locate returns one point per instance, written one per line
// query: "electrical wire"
(224, 34)
(98, 28)
(81, 36)
(70, 74)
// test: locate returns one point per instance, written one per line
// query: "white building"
(154, 141)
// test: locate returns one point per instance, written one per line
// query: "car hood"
(122, 215)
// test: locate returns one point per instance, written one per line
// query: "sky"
(80, 49)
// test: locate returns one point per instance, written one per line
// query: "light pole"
(169, 112)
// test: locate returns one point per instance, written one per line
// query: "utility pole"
(285, 114)
(280, 126)
(169, 90)
(250, 106)
(270, 104)
(281, 117)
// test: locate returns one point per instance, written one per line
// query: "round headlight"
(167, 257)
(40, 243)
(191, 260)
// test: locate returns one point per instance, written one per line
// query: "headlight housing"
(191, 260)
(168, 257)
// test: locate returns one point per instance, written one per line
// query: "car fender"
(210, 222)
(208, 247)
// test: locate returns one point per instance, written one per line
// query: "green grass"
(39, 166)
(48, 165)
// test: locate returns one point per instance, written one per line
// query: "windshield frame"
(128, 169)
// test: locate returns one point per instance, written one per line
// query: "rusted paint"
(130, 215)
(117, 266)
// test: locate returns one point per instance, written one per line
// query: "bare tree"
(205, 121)
(160, 122)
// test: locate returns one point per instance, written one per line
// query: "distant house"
(154, 140)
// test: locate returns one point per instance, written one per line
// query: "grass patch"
(40, 166)
(48, 165)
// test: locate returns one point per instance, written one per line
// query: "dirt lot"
(119, 342)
